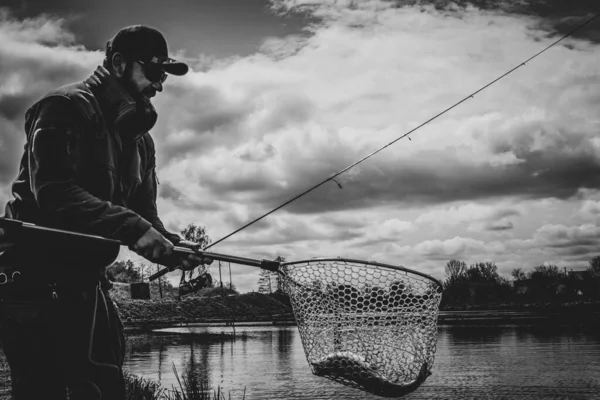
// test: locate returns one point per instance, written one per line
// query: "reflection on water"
(501, 362)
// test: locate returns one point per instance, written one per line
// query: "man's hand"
(191, 261)
(4, 244)
(153, 246)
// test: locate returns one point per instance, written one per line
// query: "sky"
(282, 94)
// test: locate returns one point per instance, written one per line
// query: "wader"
(60, 339)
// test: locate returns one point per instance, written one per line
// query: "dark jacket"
(88, 166)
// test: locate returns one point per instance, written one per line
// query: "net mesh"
(366, 325)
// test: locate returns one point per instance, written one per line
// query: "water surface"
(500, 362)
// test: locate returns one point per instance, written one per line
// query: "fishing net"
(366, 325)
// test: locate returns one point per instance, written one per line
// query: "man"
(4, 244)
(89, 167)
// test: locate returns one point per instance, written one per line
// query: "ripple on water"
(471, 363)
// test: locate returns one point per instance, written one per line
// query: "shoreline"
(519, 317)
(263, 309)
(445, 318)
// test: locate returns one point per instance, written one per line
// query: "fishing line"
(472, 95)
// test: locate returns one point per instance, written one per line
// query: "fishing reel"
(193, 285)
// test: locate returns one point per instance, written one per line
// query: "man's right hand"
(4, 244)
(153, 246)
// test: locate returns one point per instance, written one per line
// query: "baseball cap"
(146, 44)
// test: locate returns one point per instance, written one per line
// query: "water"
(500, 362)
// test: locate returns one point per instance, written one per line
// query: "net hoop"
(365, 324)
(356, 261)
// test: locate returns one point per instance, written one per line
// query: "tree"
(160, 282)
(518, 274)
(483, 272)
(226, 285)
(546, 272)
(279, 282)
(480, 283)
(594, 265)
(271, 282)
(544, 282)
(145, 271)
(456, 285)
(265, 285)
(123, 271)
(484, 282)
(455, 270)
(197, 234)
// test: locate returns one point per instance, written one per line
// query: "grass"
(140, 388)
(190, 388)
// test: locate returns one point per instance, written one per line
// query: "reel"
(203, 280)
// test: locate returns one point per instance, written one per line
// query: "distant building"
(522, 285)
(579, 275)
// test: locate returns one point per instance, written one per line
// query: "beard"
(128, 83)
(145, 116)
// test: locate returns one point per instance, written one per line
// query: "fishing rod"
(63, 240)
(471, 96)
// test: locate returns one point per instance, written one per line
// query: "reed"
(190, 388)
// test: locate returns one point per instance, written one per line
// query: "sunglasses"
(154, 73)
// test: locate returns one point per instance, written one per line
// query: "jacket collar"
(131, 118)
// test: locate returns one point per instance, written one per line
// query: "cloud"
(306, 107)
(574, 245)
(590, 209)
(341, 94)
(43, 29)
(499, 225)
(561, 236)
(568, 246)
(36, 55)
(456, 248)
(239, 137)
(477, 216)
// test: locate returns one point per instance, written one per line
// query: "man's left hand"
(191, 261)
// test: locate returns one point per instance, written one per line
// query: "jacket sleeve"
(54, 143)
(147, 194)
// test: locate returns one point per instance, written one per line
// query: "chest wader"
(59, 336)
(60, 340)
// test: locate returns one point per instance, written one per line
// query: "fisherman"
(89, 167)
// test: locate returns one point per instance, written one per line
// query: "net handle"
(27, 233)
(272, 266)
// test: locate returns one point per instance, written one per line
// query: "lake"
(472, 362)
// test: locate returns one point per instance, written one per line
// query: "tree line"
(480, 284)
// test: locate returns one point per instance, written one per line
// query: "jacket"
(89, 166)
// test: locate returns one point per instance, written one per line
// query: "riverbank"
(256, 308)
(574, 314)
(248, 307)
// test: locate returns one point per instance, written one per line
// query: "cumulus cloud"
(561, 236)
(343, 92)
(590, 209)
(477, 217)
(36, 55)
(303, 108)
(239, 137)
(456, 247)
